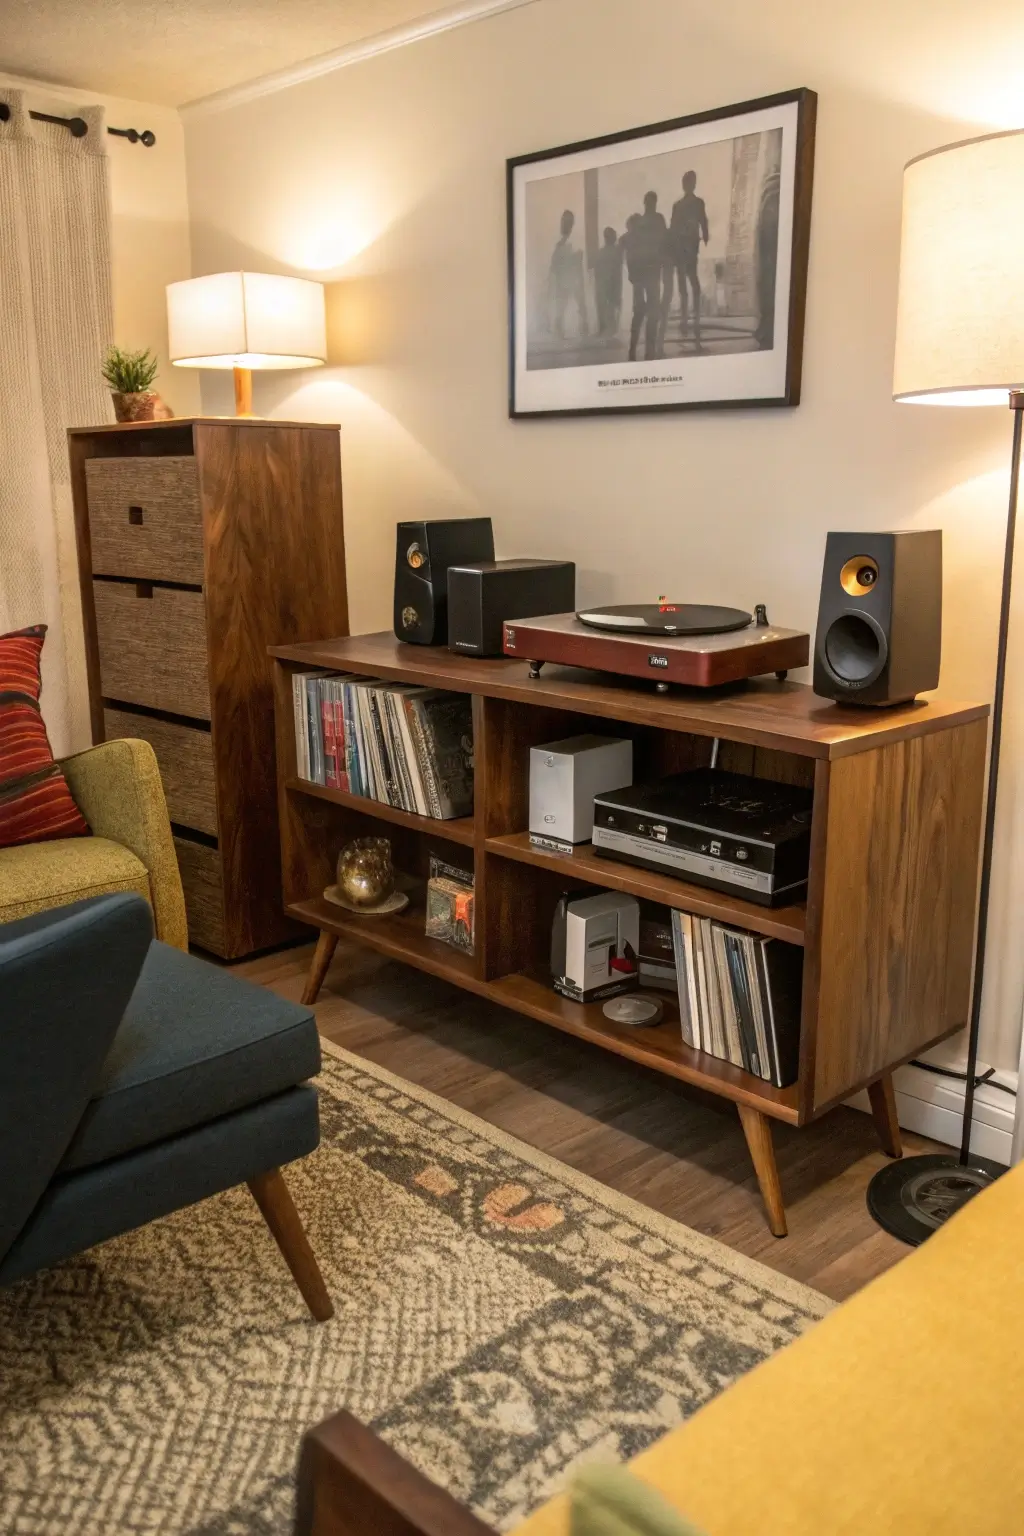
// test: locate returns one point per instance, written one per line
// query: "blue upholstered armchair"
(135, 1080)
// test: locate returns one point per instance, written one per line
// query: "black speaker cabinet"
(422, 560)
(879, 636)
(483, 595)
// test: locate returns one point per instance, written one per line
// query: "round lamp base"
(913, 1197)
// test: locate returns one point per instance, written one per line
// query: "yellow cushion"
(35, 876)
(898, 1415)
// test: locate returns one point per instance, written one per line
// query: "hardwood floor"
(648, 1136)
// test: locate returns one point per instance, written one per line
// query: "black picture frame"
(796, 111)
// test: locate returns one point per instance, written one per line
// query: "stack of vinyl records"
(739, 996)
(408, 747)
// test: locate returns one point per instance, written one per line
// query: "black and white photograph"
(665, 267)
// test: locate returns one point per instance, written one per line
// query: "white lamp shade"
(246, 320)
(960, 324)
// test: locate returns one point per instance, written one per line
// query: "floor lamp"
(960, 341)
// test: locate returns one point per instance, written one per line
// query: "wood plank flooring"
(649, 1137)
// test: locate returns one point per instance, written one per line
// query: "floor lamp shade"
(960, 325)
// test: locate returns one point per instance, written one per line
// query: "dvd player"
(749, 837)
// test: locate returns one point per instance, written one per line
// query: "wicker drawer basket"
(203, 884)
(145, 519)
(185, 755)
(152, 647)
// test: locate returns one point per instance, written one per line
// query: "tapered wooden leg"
(270, 1192)
(757, 1129)
(883, 1107)
(320, 964)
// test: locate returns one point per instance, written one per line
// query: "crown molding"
(353, 53)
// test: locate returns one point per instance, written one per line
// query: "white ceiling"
(173, 51)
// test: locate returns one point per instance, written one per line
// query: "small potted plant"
(129, 375)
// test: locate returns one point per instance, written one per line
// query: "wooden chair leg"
(326, 944)
(757, 1129)
(883, 1107)
(270, 1192)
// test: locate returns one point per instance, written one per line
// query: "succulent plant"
(129, 373)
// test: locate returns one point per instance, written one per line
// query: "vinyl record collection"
(407, 747)
(739, 996)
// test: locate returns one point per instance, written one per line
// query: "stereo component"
(729, 831)
(564, 778)
(879, 634)
(696, 660)
(425, 552)
(482, 595)
(594, 944)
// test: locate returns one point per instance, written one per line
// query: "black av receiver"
(749, 837)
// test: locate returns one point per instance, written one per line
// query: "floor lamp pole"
(914, 1196)
(1017, 406)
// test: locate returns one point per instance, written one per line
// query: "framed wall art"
(664, 268)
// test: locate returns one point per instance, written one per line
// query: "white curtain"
(56, 321)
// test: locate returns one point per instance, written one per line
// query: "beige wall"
(388, 179)
(150, 234)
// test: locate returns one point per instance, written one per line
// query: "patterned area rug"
(498, 1318)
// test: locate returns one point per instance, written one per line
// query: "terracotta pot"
(141, 406)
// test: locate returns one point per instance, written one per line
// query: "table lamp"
(246, 320)
(960, 342)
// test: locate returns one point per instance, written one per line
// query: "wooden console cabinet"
(201, 542)
(887, 928)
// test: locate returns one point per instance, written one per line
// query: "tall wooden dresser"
(201, 542)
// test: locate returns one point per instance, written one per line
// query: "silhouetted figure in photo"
(688, 227)
(565, 279)
(608, 284)
(645, 243)
(766, 260)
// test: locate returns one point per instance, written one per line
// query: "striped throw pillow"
(35, 802)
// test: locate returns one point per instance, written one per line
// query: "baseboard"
(934, 1106)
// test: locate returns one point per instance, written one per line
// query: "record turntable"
(694, 644)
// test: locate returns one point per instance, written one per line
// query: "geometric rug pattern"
(499, 1318)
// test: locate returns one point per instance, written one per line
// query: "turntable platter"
(665, 619)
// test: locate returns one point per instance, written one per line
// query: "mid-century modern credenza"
(887, 928)
(201, 542)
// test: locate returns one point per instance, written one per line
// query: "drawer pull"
(143, 589)
(135, 516)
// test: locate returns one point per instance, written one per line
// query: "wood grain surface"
(897, 913)
(185, 756)
(785, 716)
(584, 864)
(351, 1483)
(886, 927)
(275, 572)
(145, 518)
(152, 649)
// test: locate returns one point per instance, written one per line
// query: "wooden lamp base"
(243, 391)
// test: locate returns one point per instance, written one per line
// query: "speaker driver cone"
(855, 649)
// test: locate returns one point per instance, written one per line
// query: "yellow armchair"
(118, 790)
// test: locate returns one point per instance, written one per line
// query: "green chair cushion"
(609, 1501)
(35, 876)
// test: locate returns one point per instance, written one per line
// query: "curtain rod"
(78, 127)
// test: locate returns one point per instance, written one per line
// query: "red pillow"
(35, 802)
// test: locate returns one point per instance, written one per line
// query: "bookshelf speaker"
(879, 635)
(423, 557)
